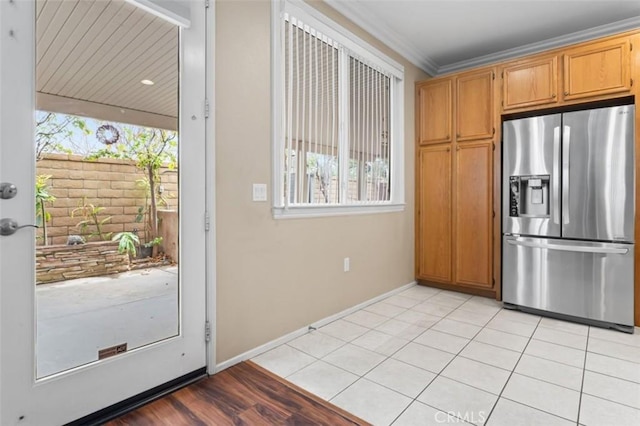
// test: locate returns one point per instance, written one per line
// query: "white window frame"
(353, 43)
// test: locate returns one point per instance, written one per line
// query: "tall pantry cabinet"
(454, 190)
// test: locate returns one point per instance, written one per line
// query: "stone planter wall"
(63, 262)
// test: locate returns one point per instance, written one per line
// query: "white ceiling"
(444, 36)
(92, 55)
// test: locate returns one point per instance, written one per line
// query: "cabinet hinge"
(494, 213)
(630, 46)
(502, 74)
(207, 221)
(493, 75)
(206, 108)
(502, 103)
(631, 82)
(493, 131)
(494, 146)
(493, 280)
(207, 331)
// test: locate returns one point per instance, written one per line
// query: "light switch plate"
(259, 192)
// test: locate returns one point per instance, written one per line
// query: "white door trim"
(210, 186)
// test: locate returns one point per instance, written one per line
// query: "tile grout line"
(513, 371)
(584, 371)
(443, 368)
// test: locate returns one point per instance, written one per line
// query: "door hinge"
(206, 108)
(206, 4)
(207, 221)
(207, 331)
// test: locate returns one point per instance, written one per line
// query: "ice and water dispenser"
(529, 196)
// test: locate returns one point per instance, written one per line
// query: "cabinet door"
(434, 214)
(474, 106)
(473, 214)
(435, 113)
(530, 83)
(597, 69)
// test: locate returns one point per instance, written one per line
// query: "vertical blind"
(327, 88)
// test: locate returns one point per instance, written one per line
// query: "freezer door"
(598, 177)
(531, 176)
(577, 278)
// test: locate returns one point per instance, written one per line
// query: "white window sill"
(297, 212)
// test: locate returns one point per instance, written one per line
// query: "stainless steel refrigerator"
(568, 215)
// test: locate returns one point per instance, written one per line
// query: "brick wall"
(106, 183)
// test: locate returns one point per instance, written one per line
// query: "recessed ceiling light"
(147, 82)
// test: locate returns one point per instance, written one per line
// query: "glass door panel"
(106, 153)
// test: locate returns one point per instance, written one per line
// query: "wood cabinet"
(435, 112)
(597, 69)
(474, 105)
(454, 191)
(474, 214)
(434, 214)
(530, 82)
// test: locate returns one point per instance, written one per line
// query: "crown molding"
(552, 43)
(357, 12)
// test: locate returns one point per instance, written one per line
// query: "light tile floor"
(431, 357)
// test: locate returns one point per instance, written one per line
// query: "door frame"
(101, 393)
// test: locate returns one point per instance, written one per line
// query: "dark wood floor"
(244, 394)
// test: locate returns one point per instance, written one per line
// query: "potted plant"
(127, 242)
(147, 248)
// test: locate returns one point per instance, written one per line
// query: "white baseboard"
(299, 332)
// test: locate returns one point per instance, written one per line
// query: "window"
(338, 118)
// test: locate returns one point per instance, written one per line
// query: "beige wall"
(276, 276)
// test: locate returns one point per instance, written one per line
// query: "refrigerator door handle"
(582, 249)
(566, 141)
(555, 179)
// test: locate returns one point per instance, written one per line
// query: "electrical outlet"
(259, 192)
(347, 265)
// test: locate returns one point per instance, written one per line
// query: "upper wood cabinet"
(434, 236)
(435, 112)
(474, 105)
(597, 69)
(529, 83)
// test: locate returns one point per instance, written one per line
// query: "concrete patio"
(77, 318)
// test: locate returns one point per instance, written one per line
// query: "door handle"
(581, 249)
(566, 145)
(555, 179)
(9, 227)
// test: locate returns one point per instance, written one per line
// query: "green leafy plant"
(127, 242)
(42, 198)
(90, 216)
(155, 242)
